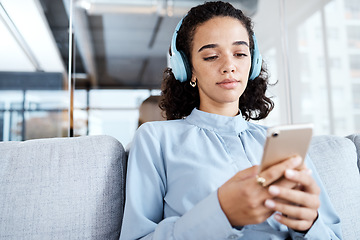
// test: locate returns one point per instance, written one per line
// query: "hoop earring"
(193, 84)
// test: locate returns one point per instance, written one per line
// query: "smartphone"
(285, 141)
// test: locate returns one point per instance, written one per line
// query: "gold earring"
(193, 84)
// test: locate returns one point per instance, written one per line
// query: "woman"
(196, 176)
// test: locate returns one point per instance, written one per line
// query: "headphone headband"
(181, 68)
(178, 61)
(256, 60)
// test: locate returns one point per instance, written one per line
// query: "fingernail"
(289, 173)
(269, 203)
(277, 217)
(274, 190)
(296, 160)
(309, 171)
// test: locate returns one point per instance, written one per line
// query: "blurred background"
(83, 67)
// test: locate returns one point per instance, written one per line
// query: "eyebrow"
(241, 43)
(208, 46)
(236, 43)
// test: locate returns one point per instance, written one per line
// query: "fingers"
(247, 173)
(300, 212)
(242, 199)
(299, 225)
(296, 197)
(294, 216)
(283, 182)
(275, 172)
(304, 179)
(307, 197)
(299, 205)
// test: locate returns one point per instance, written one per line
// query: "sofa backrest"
(336, 160)
(62, 188)
(73, 188)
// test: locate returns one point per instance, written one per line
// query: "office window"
(304, 65)
(317, 84)
(352, 9)
(44, 113)
(355, 65)
(356, 96)
(357, 123)
(12, 114)
(333, 33)
(2, 111)
(116, 112)
(353, 35)
(33, 87)
(335, 63)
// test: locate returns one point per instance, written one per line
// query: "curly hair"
(178, 99)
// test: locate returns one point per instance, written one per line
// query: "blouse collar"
(217, 123)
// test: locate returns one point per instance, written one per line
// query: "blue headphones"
(181, 68)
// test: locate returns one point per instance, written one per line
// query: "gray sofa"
(73, 188)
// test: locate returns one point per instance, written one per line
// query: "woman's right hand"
(242, 197)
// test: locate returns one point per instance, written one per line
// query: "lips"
(228, 83)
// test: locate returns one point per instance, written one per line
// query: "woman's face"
(221, 62)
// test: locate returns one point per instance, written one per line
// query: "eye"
(211, 58)
(240, 55)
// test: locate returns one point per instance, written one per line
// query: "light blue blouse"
(175, 168)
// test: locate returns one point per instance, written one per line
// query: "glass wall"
(34, 100)
(312, 51)
(111, 112)
(118, 51)
(28, 112)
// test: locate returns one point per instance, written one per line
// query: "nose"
(228, 66)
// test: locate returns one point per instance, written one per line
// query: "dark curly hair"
(178, 99)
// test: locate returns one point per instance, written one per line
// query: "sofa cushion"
(336, 161)
(61, 188)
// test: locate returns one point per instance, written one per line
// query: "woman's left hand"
(298, 206)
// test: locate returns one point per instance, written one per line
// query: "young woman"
(196, 176)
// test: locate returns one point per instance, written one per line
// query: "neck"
(229, 110)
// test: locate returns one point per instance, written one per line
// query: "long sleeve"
(145, 195)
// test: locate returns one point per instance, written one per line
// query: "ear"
(193, 77)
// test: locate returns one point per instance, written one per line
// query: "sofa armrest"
(335, 159)
(62, 188)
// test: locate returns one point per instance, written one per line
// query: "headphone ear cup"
(179, 64)
(186, 64)
(178, 60)
(256, 61)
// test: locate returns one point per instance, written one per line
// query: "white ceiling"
(27, 41)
